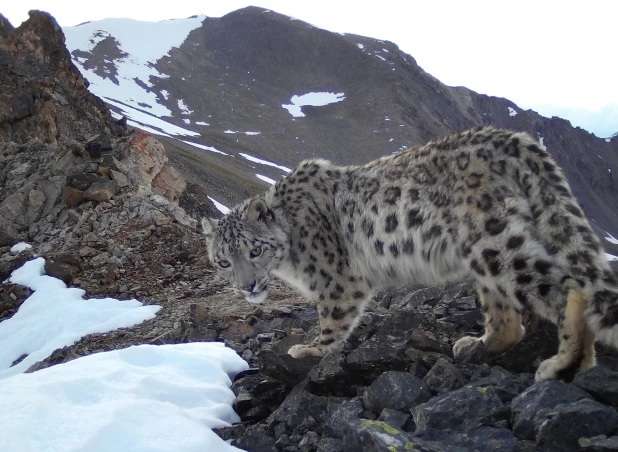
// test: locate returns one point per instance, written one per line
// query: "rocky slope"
(395, 387)
(236, 73)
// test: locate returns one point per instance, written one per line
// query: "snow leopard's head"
(245, 246)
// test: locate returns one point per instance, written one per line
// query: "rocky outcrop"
(43, 182)
(42, 95)
(60, 151)
(414, 397)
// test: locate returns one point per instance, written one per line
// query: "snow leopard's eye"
(224, 264)
(255, 252)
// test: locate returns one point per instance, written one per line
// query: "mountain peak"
(258, 83)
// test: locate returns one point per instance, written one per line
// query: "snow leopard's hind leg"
(576, 351)
(503, 328)
(515, 264)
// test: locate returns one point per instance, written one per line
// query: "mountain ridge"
(234, 74)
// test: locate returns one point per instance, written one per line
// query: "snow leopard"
(487, 203)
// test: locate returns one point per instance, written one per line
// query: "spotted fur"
(488, 203)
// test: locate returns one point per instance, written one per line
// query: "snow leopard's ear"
(209, 225)
(258, 211)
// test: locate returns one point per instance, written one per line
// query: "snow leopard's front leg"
(339, 310)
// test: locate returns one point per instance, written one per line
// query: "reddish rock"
(145, 157)
(169, 183)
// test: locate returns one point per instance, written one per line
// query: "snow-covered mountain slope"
(258, 83)
(118, 58)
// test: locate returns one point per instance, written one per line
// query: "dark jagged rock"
(529, 352)
(599, 444)
(330, 445)
(98, 146)
(601, 383)
(295, 409)
(563, 426)
(506, 384)
(256, 440)
(444, 377)
(64, 267)
(335, 423)
(83, 181)
(481, 439)
(386, 349)
(6, 239)
(285, 368)
(463, 408)
(394, 418)
(530, 407)
(415, 299)
(395, 390)
(377, 436)
(309, 442)
(331, 373)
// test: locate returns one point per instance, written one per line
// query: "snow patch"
(202, 123)
(220, 207)
(512, 112)
(314, 99)
(360, 46)
(265, 162)
(266, 179)
(183, 107)
(205, 148)
(19, 247)
(611, 257)
(142, 398)
(55, 316)
(148, 122)
(186, 121)
(381, 57)
(230, 131)
(611, 239)
(253, 133)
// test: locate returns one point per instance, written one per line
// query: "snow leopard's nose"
(249, 286)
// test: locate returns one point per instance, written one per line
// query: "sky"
(555, 57)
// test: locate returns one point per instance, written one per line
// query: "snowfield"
(142, 398)
(143, 43)
(55, 316)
